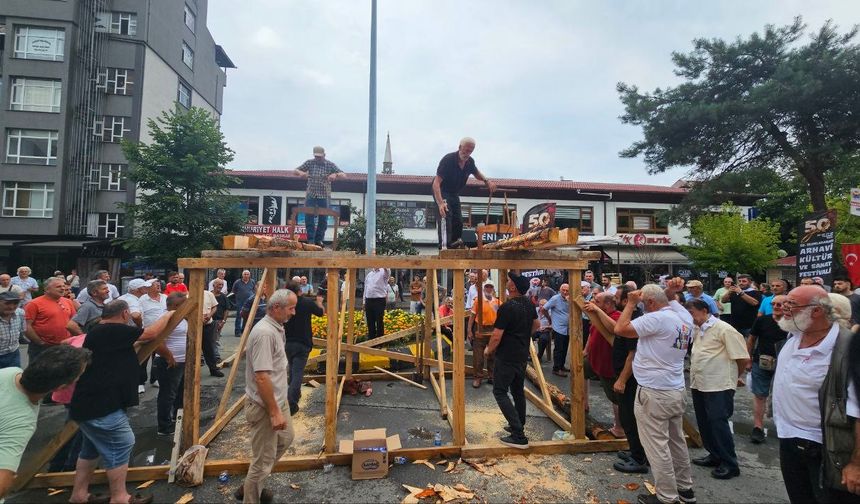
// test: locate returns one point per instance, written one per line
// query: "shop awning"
(652, 255)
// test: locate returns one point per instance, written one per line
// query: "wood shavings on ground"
(425, 462)
(442, 462)
(458, 492)
(56, 491)
(295, 486)
(632, 486)
(185, 499)
(145, 484)
(650, 487)
(313, 383)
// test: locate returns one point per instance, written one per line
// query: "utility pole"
(370, 203)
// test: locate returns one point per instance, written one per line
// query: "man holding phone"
(745, 301)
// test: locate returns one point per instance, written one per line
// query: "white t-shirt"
(133, 305)
(209, 302)
(178, 340)
(471, 296)
(664, 336)
(152, 309)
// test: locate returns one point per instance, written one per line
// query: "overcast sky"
(532, 81)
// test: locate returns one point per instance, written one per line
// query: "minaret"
(387, 168)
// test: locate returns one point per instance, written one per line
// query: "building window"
(115, 80)
(641, 220)
(581, 218)
(475, 214)
(109, 177)
(105, 225)
(184, 95)
(110, 129)
(187, 56)
(250, 206)
(120, 23)
(342, 206)
(413, 214)
(39, 43)
(31, 147)
(28, 199)
(190, 18)
(36, 95)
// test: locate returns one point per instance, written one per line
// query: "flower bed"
(395, 320)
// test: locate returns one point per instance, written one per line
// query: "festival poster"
(815, 255)
(539, 217)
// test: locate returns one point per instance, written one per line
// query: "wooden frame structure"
(437, 370)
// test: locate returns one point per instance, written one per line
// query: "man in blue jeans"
(320, 173)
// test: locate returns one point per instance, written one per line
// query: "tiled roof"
(501, 182)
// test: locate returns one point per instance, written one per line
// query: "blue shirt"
(559, 312)
(712, 304)
(766, 307)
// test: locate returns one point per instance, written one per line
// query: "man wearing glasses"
(811, 371)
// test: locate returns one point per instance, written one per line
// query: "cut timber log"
(561, 401)
(277, 243)
(537, 240)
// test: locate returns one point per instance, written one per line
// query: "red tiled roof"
(787, 261)
(501, 182)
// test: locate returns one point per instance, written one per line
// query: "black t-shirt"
(298, 328)
(767, 335)
(453, 177)
(110, 381)
(854, 299)
(743, 313)
(622, 346)
(221, 310)
(515, 318)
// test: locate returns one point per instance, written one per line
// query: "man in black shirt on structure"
(451, 177)
(745, 301)
(299, 341)
(516, 321)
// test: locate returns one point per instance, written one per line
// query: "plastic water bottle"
(224, 478)
(437, 438)
(400, 460)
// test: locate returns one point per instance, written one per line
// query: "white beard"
(798, 323)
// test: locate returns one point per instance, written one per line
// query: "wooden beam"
(564, 260)
(694, 438)
(548, 409)
(222, 421)
(458, 355)
(350, 328)
(240, 350)
(389, 337)
(34, 463)
(331, 366)
(340, 392)
(407, 380)
(545, 448)
(577, 373)
(443, 399)
(539, 370)
(443, 404)
(380, 352)
(492, 256)
(424, 345)
(193, 351)
(525, 241)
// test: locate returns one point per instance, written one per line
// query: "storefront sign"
(494, 237)
(533, 273)
(815, 257)
(539, 217)
(640, 240)
(281, 231)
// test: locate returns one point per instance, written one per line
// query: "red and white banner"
(851, 258)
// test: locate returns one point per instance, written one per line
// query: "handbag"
(767, 362)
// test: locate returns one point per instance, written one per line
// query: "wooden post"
(503, 285)
(424, 344)
(350, 328)
(577, 374)
(458, 356)
(234, 368)
(331, 362)
(539, 370)
(443, 398)
(193, 351)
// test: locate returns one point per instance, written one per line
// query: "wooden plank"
(487, 255)
(425, 337)
(319, 342)
(526, 240)
(380, 352)
(566, 261)
(193, 352)
(340, 392)
(539, 370)
(350, 329)
(222, 421)
(694, 438)
(331, 366)
(566, 237)
(458, 355)
(443, 405)
(577, 373)
(596, 322)
(548, 409)
(439, 356)
(177, 441)
(255, 253)
(240, 350)
(389, 337)
(407, 380)
(558, 447)
(33, 464)
(342, 319)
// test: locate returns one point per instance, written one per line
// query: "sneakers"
(687, 496)
(648, 499)
(141, 389)
(624, 454)
(757, 436)
(508, 429)
(165, 433)
(216, 373)
(630, 466)
(294, 408)
(521, 443)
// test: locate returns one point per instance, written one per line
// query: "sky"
(534, 82)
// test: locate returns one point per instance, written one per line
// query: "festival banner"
(815, 256)
(851, 258)
(854, 201)
(539, 217)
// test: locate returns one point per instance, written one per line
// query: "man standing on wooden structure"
(266, 407)
(320, 173)
(451, 177)
(516, 321)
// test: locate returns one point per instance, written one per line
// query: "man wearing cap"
(557, 310)
(12, 327)
(320, 173)
(516, 321)
(451, 177)
(695, 290)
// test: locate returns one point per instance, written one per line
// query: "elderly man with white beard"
(815, 453)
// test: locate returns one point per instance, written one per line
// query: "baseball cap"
(521, 282)
(319, 151)
(583, 283)
(694, 283)
(9, 296)
(137, 283)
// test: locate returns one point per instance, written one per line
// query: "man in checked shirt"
(320, 173)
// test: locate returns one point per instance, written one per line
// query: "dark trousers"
(209, 335)
(559, 351)
(586, 330)
(316, 227)
(33, 351)
(170, 392)
(67, 457)
(298, 359)
(239, 323)
(11, 359)
(713, 410)
(628, 420)
(142, 375)
(510, 376)
(544, 344)
(800, 464)
(453, 219)
(374, 311)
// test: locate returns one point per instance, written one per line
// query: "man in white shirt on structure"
(664, 334)
(375, 299)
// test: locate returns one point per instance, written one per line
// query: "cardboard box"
(370, 450)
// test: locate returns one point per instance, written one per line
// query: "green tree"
(761, 103)
(725, 240)
(389, 234)
(183, 205)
